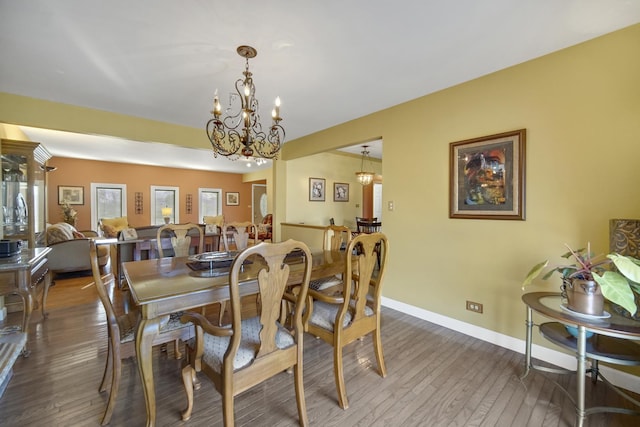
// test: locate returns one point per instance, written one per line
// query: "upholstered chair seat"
(324, 315)
(216, 346)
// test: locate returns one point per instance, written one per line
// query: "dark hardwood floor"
(436, 377)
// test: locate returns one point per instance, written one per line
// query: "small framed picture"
(340, 192)
(233, 198)
(316, 189)
(70, 194)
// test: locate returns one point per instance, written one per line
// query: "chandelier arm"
(223, 142)
(269, 147)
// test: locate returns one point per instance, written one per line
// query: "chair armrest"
(199, 320)
(321, 296)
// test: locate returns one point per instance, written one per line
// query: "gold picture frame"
(487, 177)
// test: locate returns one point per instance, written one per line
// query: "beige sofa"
(70, 249)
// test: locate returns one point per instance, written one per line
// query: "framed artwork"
(487, 177)
(189, 204)
(316, 189)
(73, 195)
(233, 198)
(340, 192)
(138, 205)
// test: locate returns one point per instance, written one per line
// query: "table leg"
(581, 355)
(148, 330)
(527, 349)
(45, 293)
(27, 302)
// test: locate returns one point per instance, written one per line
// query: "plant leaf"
(615, 288)
(626, 266)
(535, 271)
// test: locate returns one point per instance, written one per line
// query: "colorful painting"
(487, 177)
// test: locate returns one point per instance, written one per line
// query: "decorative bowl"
(573, 330)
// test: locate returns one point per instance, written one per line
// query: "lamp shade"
(624, 237)
(166, 211)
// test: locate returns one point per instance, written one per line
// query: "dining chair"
(180, 235)
(249, 351)
(346, 315)
(336, 237)
(121, 335)
(240, 232)
(368, 225)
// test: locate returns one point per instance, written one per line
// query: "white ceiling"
(330, 61)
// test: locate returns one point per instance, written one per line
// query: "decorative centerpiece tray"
(213, 264)
(212, 260)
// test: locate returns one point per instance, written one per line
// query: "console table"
(611, 342)
(22, 274)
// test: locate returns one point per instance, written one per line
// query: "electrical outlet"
(476, 307)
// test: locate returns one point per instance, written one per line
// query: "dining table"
(22, 274)
(162, 286)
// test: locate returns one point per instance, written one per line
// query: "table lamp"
(166, 213)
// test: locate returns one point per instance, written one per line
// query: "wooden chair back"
(343, 317)
(367, 226)
(240, 232)
(180, 235)
(269, 355)
(336, 237)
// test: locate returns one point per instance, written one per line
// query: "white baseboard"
(563, 360)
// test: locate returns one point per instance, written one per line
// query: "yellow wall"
(333, 168)
(581, 109)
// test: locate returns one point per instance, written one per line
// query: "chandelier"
(240, 131)
(363, 177)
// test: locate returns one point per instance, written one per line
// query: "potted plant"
(69, 215)
(590, 278)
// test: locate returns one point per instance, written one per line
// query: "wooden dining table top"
(164, 281)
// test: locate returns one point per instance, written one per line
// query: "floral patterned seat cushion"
(215, 347)
(324, 315)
